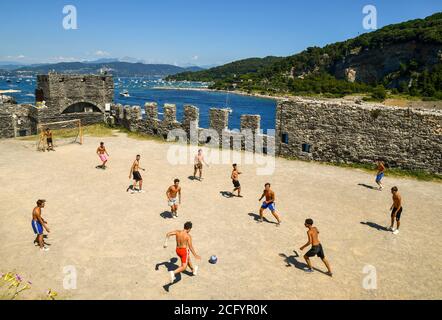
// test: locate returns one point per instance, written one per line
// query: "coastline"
(242, 93)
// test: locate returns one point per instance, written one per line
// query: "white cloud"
(195, 58)
(63, 59)
(101, 53)
(20, 56)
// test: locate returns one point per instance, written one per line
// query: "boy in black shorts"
(316, 249)
(396, 210)
(235, 176)
(49, 139)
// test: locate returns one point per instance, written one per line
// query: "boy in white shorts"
(174, 197)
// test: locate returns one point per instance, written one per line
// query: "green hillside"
(405, 58)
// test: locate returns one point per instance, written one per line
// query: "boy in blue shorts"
(380, 174)
(38, 224)
(269, 203)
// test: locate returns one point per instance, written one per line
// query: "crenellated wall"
(131, 118)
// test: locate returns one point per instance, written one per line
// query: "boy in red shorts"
(183, 247)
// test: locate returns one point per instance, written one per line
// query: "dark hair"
(309, 222)
(394, 189)
(47, 129)
(188, 225)
(267, 184)
(176, 180)
(101, 142)
(234, 164)
(40, 202)
(138, 155)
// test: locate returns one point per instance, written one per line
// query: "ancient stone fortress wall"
(69, 97)
(17, 120)
(248, 136)
(360, 133)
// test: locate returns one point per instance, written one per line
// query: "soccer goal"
(63, 133)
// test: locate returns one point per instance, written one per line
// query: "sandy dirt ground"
(114, 239)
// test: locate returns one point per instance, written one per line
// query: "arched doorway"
(81, 107)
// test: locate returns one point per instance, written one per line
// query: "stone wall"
(352, 133)
(87, 94)
(131, 118)
(17, 120)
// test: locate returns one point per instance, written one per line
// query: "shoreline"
(241, 93)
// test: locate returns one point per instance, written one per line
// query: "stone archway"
(81, 107)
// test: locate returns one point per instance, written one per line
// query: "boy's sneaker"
(44, 249)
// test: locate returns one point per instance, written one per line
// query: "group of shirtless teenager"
(184, 245)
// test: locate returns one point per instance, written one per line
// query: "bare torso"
(397, 200)
(313, 234)
(182, 239)
(173, 191)
(136, 166)
(199, 159)
(36, 213)
(270, 196)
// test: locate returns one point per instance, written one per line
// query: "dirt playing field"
(114, 239)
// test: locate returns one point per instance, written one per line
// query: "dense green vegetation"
(319, 70)
(227, 72)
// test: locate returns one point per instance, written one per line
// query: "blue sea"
(142, 90)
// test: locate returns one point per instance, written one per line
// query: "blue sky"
(200, 32)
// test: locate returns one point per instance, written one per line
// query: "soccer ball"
(213, 260)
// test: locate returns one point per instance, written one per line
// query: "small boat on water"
(8, 80)
(125, 94)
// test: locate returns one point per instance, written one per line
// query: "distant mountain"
(404, 57)
(120, 69)
(103, 60)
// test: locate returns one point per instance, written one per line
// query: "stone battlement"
(322, 130)
(131, 117)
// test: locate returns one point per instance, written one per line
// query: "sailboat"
(227, 104)
(125, 94)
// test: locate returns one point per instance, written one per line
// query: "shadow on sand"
(375, 226)
(227, 194)
(293, 261)
(171, 266)
(256, 218)
(367, 186)
(166, 215)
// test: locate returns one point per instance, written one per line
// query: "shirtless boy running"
(135, 172)
(235, 180)
(269, 203)
(183, 248)
(396, 210)
(198, 164)
(173, 195)
(380, 174)
(316, 249)
(38, 224)
(103, 155)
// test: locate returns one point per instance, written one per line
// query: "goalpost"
(63, 132)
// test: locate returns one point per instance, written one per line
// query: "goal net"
(63, 133)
